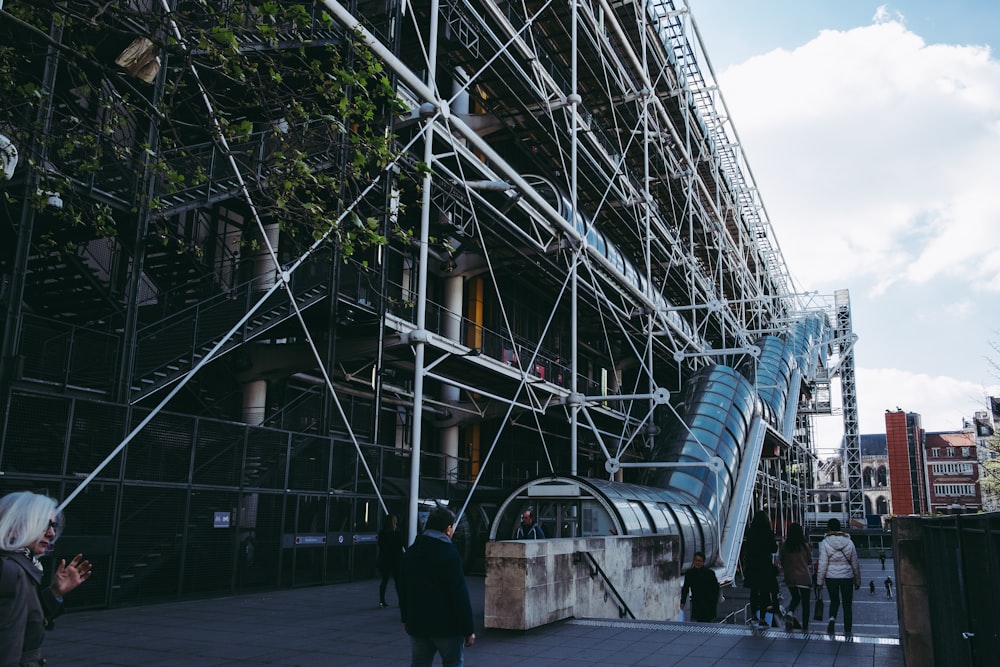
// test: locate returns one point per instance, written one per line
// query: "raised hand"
(70, 575)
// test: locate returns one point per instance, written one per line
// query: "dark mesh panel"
(266, 460)
(36, 435)
(89, 530)
(150, 544)
(309, 468)
(62, 354)
(150, 529)
(207, 564)
(338, 553)
(259, 525)
(307, 514)
(344, 465)
(372, 459)
(97, 429)
(218, 457)
(161, 452)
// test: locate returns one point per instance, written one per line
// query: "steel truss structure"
(573, 235)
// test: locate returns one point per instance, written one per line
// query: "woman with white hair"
(29, 527)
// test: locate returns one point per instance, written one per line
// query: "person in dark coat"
(29, 527)
(760, 574)
(390, 554)
(434, 600)
(703, 585)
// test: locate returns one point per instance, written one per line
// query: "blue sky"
(873, 133)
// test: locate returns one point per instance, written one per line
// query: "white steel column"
(574, 99)
(419, 349)
(264, 278)
(452, 328)
(254, 402)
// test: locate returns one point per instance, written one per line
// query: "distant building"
(952, 466)
(904, 437)
(983, 426)
(830, 487)
(829, 494)
(875, 476)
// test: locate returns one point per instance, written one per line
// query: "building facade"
(904, 444)
(831, 489)
(274, 270)
(952, 462)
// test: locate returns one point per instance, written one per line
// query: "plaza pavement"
(342, 624)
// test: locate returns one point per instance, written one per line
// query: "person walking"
(840, 572)
(871, 586)
(758, 565)
(703, 585)
(796, 560)
(881, 558)
(390, 554)
(434, 602)
(528, 529)
(888, 587)
(29, 527)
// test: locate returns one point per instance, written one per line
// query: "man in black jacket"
(434, 600)
(704, 587)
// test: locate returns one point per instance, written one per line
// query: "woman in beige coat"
(840, 572)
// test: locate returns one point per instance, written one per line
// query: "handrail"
(736, 521)
(731, 617)
(595, 569)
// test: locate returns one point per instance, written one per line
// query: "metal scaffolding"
(572, 234)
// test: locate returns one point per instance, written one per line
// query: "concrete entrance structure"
(530, 583)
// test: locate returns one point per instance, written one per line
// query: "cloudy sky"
(873, 132)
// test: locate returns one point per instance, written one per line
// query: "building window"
(965, 452)
(951, 452)
(951, 468)
(935, 451)
(954, 489)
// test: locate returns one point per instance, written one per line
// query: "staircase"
(169, 348)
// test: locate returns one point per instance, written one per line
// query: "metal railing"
(595, 570)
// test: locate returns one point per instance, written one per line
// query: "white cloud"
(878, 157)
(886, 146)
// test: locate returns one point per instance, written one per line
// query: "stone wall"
(534, 582)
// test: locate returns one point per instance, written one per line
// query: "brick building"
(952, 467)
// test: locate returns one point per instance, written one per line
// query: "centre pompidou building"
(274, 270)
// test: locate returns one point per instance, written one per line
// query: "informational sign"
(222, 519)
(310, 539)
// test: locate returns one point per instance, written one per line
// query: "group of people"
(838, 571)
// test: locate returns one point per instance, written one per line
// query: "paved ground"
(342, 625)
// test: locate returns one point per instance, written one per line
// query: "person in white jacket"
(839, 572)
